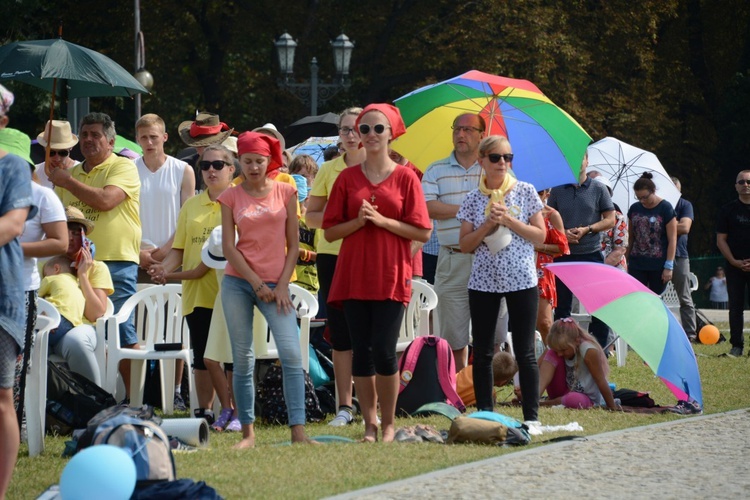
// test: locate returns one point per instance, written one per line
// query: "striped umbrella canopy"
(547, 142)
(641, 318)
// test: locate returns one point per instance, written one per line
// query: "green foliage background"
(670, 76)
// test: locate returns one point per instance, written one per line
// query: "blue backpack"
(143, 439)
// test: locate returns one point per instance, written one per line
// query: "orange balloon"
(709, 334)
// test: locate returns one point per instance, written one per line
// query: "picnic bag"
(427, 374)
(136, 431)
(482, 431)
(271, 398)
(72, 400)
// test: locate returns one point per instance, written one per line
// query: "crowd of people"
(239, 219)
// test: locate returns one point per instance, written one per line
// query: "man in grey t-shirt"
(586, 209)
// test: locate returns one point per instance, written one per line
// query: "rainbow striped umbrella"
(641, 318)
(548, 143)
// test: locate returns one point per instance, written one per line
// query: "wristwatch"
(591, 229)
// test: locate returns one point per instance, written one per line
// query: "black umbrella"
(312, 126)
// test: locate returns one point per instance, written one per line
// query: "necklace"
(367, 176)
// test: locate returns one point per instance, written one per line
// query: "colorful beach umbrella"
(641, 318)
(623, 164)
(547, 142)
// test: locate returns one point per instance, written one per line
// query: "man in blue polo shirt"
(681, 274)
(587, 210)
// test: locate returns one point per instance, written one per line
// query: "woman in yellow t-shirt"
(198, 217)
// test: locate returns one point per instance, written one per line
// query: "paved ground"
(698, 457)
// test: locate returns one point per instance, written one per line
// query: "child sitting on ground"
(574, 369)
(60, 288)
(504, 367)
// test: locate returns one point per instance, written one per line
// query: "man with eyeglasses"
(61, 142)
(587, 210)
(446, 183)
(733, 240)
(106, 188)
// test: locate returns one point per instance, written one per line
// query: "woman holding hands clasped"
(378, 208)
(258, 272)
(501, 221)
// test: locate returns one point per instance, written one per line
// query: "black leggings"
(374, 326)
(522, 310)
(199, 322)
(337, 326)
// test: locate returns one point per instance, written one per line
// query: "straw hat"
(62, 136)
(270, 129)
(76, 216)
(205, 130)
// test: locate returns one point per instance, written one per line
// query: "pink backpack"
(427, 374)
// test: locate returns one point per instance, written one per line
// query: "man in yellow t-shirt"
(106, 188)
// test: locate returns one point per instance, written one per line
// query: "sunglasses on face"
(742, 182)
(62, 153)
(217, 164)
(457, 129)
(495, 157)
(378, 129)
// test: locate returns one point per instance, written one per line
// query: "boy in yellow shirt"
(60, 288)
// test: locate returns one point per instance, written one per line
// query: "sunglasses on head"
(495, 157)
(217, 164)
(378, 129)
(63, 153)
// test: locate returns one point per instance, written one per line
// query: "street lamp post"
(141, 74)
(314, 91)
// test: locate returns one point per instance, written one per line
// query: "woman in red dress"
(555, 244)
(378, 208)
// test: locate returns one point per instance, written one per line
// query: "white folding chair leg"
(167, 369)
(621, 348)
(36, 396)
(137, 381)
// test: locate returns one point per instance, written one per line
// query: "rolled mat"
(193, 431)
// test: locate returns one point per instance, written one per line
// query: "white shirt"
(160, 200)
(50, 210)
(42, 175)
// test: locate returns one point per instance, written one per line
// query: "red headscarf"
(392, 114)
(254, 142)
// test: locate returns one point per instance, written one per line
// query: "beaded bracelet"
(259, 287)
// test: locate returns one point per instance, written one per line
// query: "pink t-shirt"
(261, 226)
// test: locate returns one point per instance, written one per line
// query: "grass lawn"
(276, 470)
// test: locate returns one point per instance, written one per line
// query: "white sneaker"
(342, 418)
(535, 427)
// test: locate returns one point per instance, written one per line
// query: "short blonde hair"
(504, 367)
(491, 142)
(151, 120)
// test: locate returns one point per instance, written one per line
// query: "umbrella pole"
(48, 133)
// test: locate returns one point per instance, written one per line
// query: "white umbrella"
(623, 164)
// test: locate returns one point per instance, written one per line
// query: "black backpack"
(271, 398)
(72, 400)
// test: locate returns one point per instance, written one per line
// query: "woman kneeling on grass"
(574, 370)
(258, 272)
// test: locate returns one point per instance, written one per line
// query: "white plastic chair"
(306, 306)
(417, 316)
(35, 396)
(101, 348)
(158, 320)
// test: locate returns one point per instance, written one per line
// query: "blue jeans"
(238, 299)
(124, 278)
